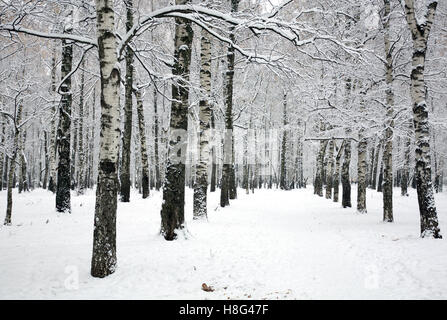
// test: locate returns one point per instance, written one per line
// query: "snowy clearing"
(268, 245)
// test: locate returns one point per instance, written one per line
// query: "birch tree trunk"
(213, 155)
(156, 145)
(406, 168)
(283, 173)
(23, 181)
(2, 154)
(330, 170)
(172, 211)
(64, 168)
(143, 145)
(201, 182)
(318, 185)
(12, 165)
(388, 147)
(53, 133)
(420, 34)
(127, 135)
(345, 179)
(46, 157)
(228, 187)
(81, 150)
(361, 173)
(104, 234)
(337, 171)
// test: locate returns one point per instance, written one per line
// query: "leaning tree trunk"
(12, 165)
(104, 234)
(420, 34)
(345, 179)
(53, 133)
(127, 135)
(143, 145)
(172, 210)
(63, 168)
(201, 182)
(388, 147)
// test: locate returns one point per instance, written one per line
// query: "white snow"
(268, 245)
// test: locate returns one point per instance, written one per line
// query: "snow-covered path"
(267, 245)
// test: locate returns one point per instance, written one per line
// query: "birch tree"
(104, 234)
(420, 32)
(201, 182)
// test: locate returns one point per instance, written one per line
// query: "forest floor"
(268, 245)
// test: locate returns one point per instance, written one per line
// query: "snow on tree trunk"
(406, 168)
(172, 211)
(228, 187)
(361, 172)
(127, 134)
(12, 165)
(336, 179)
(420, 34)
(213, 156)
(143, 145)
(156, 146)
(330, 169)
(388, 147)
(53, 133)
(345, 179)
(81, 151)
(63, 134)
(318, 185)
(283, 183)
(46, 157)
(104, 234)
(201, 182)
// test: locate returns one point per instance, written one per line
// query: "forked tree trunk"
(104, 234)
(420, 34)
(201, 182)
(172, 211)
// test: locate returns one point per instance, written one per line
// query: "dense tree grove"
(220, 95)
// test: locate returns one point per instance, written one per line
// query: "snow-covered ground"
(268, 245)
